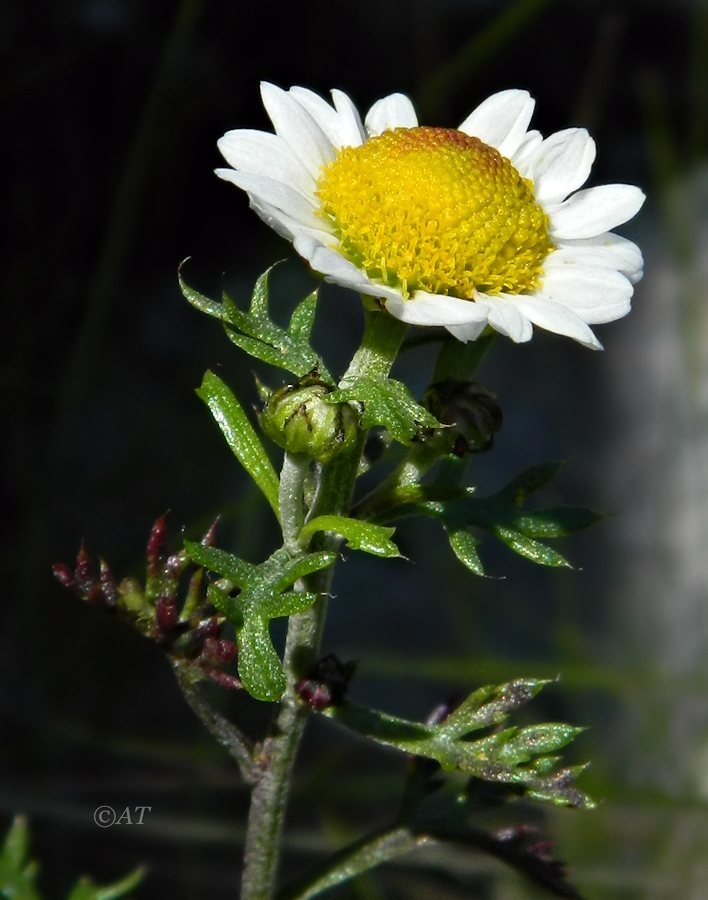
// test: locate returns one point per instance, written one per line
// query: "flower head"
(468, 227)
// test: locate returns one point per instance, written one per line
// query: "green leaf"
(555, 522)
(197, 300)
(464, 546)
(530, 549)
(259, 666)
(359, 535)
(240, 435)
(18, 874)
(256, 333)
(531, 480)
(502, 514)
(221, 562)
(87, 890)
(386, 402)
(490, 705)
(513, 755)
(263, 595)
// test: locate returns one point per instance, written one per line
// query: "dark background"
(112, 110)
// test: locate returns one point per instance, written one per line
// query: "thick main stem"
(380, 343)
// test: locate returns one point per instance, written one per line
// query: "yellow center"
(436, 210)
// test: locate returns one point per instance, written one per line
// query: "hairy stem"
(227, 734)
(380, 343)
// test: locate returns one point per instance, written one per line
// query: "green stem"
(380, 344)
(290, 500)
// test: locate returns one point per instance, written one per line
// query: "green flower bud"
(299, 419)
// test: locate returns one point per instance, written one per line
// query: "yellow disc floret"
(433, 209)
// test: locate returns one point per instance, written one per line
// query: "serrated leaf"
(530, 549)
(359, 535)
(388, 403)
(464, 546)
(240, 435)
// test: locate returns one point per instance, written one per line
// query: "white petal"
(592, 212)
(295, 125)
(281, 196)
(433, 309)
(610, 250)
(507, 319)
(524, 152)
(595, 294)
(329, 262)
(469, 332)
(261, 153)
(350, 125)
(323, 114)
(561, 164)
(501, 120)
(394, 111)
(557, 318)
(285, 225)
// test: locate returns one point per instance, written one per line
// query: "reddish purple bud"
(219, 652)
(326, 683)
(176, 564)
(109, 588)
(314, 694)
(224, 680)
(156, 546)
(210, 534)
(64, 575)
(83, 565)
(207, 628)
(166, 614)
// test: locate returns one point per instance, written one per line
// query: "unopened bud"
(300, 420)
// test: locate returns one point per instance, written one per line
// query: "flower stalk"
(381, 341)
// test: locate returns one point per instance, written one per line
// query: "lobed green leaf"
(263, 595)
(513, 755)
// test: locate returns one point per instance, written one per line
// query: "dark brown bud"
(470, 409)
(326, 683)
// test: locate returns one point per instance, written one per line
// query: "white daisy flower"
(462, 228)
